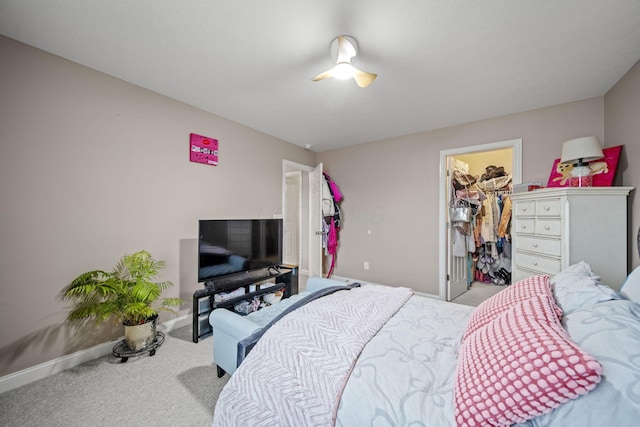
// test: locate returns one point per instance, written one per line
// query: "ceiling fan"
(344, 69)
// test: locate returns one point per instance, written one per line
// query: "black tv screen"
(239, 245)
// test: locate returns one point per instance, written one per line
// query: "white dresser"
(553, 228)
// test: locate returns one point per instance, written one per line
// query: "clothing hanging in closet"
(493, 257)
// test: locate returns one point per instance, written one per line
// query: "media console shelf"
(204, 301)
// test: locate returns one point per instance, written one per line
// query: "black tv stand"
(204, 302)
(274, 267)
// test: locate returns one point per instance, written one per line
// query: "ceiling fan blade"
(322, 76)
(346, 50)
(363, 78)
(344, 68)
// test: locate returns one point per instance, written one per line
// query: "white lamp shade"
(581, 150)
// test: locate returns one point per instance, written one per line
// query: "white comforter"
(405, 374)
(295, 374)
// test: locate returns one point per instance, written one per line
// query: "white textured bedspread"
(295, 375)
(405, 374)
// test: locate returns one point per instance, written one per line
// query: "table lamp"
(579, 152)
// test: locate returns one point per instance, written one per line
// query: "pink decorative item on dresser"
(603, 171)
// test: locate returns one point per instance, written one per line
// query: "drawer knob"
(546, 208)
(535, 263)
(523, 226)
(535, 245)
(546, 227)
(524, 209)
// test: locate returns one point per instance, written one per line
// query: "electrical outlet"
(366, 265)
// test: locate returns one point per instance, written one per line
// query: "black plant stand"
(123, 351)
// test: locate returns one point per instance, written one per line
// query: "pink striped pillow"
(520, 365)
(491, 308)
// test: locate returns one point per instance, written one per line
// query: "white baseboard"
(350, 279)
(423, 294)
(176, 323)
(43, 370)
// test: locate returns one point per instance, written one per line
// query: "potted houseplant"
(127, 294)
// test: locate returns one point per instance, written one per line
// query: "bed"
(546, 351)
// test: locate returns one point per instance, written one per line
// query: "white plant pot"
(139, 337)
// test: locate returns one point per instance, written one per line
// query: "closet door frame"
(516, 178)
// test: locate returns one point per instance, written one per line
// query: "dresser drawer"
(524, 208)
(548, 207)
(548, 227)
(549, 247)
(524, 225)
(538, 263)
(518, 274)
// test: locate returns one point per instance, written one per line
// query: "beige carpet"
(478, 292)
(178, 386)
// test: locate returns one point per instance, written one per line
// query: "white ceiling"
(439, 62)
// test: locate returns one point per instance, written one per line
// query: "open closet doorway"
(454, 271)
(302, 218)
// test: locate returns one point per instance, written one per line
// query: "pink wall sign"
(203, 149)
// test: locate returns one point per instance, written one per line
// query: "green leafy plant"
(128, 294)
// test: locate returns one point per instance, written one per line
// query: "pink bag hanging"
(335, 191)
(337, 195)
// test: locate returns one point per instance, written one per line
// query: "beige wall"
(478, 162)
(622, 127)
(92, 168)
(390, 187)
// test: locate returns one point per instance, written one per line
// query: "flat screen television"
(231, 246)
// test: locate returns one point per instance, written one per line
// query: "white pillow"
(581, 269)
(631, 287)
(577, 287)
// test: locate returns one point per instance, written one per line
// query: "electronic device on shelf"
(232, 246)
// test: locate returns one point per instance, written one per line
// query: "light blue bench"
(229, 328)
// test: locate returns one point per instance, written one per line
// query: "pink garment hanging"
(332, 246)
(335, 191)
(335, 221)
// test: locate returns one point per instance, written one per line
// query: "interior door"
(457, 283)
(315, 221)
(293, 195)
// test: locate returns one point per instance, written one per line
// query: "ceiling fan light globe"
(343, 71)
